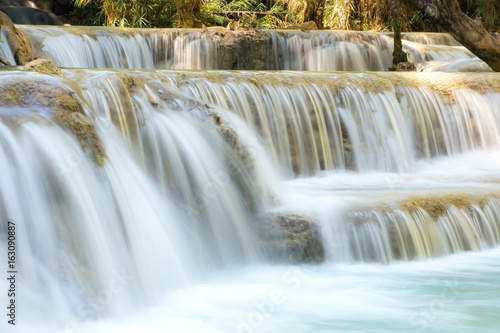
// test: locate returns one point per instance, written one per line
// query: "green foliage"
(373, 15)
(487, 10)
(339, 14)
(248, 12)
(274, 18)
(88, 15)
(131, 13)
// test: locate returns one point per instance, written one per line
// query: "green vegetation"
(126, 13)
(251, 13)
(487, 10)
(267, 14)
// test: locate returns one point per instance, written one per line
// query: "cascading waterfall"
(174, 188)
(387, 236)
(316, 123)
(112, 48)
(363, 121)
(170, 199)
(284, 50)
(5, 51)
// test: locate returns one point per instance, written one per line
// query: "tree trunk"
(398, 55)
(188, 13)
(315, 11)
(471, 33)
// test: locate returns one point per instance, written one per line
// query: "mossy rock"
(434, 205)
(406, 67)
(291, 238)
(43, 66)
(411, 225)
(50, 98)
(18, 41)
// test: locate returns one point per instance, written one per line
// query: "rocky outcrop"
(406, 67)
(19, 43)
(50, 98)
(244, 49)
(43, 66)
(310, 25)
(291, 238)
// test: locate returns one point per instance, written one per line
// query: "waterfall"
(5, 51)
(363, 121)
(387, 236)
(168, 183)
(382, 123)
(151, 191)
(221, 49)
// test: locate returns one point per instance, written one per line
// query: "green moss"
(434, 205)
(10, 96)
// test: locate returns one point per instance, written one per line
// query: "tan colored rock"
(19, 42)
(43, 66)
(310, 25)
(406, 67)
(242, 49)
(48, 98)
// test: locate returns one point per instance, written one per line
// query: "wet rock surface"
(428, 225)
(46, 98)
(43, 66)
(291, 238)
(244, 49)
(19, 42)
(406, 67)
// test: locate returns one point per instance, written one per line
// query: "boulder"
(291, 238)
(18, 41)
(43, 66)
(244, 49)
(406, 67)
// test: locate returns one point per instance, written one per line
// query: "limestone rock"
(406, 67)
(309, 25)
(19, 43)
(242, 49)
(43, 66)
(50, 99)
(291, 238)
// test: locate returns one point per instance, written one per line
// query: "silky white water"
(5, 51)
(327, 121)
(161, 234)
(433, 295)
(456, 294)
(287, 50)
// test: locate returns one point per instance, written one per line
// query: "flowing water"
(160, 230)
(5, 51)
(284, 50)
